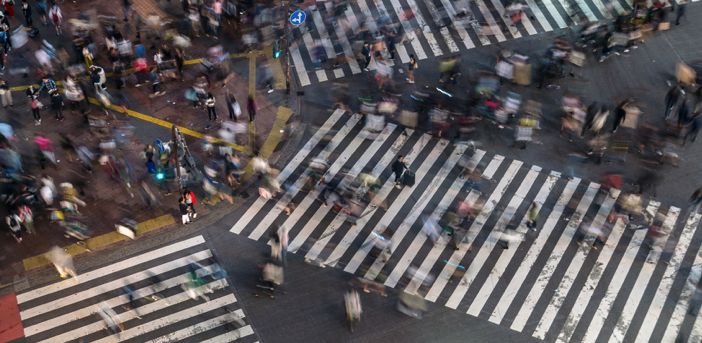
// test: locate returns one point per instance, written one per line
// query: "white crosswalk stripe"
(424, 25)
(67, 311)
(509, 287)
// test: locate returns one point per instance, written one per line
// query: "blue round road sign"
(297, 18)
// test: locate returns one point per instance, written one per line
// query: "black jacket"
(398, 167)
(57, 102)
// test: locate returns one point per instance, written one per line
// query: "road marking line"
(399, 48)
(171, 319)
(348, 52)
(637, 292)
(112, 303)
(539, 15)
(506, 256)
(264, 224)
(538, 288)
(232, 335)
(577, 261)
(496, 30)
(149, 308)
(461, 30)
(113, 268)
(426, 30)
(444, 30)
(310, 44)
(494, 237)
(288, 170)
(409, 31)
(205, 326)
(112, 285)
(457, 256)
(411, 252)
(478, 224)
(358, 166)
(396, 206)
(323, 35)
(534, 251)
(554, 12)
(615, 284)
(425, 268)
(654, 311)
(501, 11)
(340, 218)
(299, 65)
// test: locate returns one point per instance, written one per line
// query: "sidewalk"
(108, 201)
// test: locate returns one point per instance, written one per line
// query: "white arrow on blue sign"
(297, 18)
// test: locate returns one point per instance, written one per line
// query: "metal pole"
(176, 137)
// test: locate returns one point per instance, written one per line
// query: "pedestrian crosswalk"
(584, 275)
(434, 28)
(160, 311)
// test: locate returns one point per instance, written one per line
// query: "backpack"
(55, 17)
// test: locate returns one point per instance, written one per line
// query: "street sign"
(159, 144)
(297, 18)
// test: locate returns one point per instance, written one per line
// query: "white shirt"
(158, 59)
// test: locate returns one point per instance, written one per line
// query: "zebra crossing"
(66, 311)
(544, 284)
(439, 31)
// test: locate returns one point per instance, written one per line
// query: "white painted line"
(323, 35)
(551, 9)
(379, 198)
(538, 288)
(506, 256)
(353, 22)
(396, 206)
(492, 239)
(370, 23)
(615, 284)
(112, 285)
(508, 21)
(322, 211)
(205, 326)
(696, 333)
(113, 268)
(417, 209)
(444, 30)
(112, 303)
(534, 250)
(288, 170)
(478, 223)
(593, 280)
(340, 218)
(264, 224)
(654, 311)
(231, 336)
(577, 261)
(170, 319)
(399, 48)
(459, 27)
(637, 292)
(527, 23)
(496, 30)
(310, 44)
(97, 326)
(409, 31)
(539, 15)
(601, 8)
(339, 73)
(299, 65)
(311, 197)
(438, 248)
(348, 51)
(684, 301)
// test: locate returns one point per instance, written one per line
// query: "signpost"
(298, 18)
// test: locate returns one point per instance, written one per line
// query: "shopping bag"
(663, 26)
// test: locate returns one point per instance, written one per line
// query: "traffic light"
(276, 49)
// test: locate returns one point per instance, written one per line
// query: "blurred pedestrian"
(9, 7)
(56, 18)
(233, 107)
(127, 10)
(399, 167)
(13, 222)
(41, 10)
(410, 69)
(532, 216)
(27, 11)
(6, 94)
(191, 201)
(694, 128)
(57, 106)
(671, 99)
(620, 114)
(366, 51)
(184, 211)
(210, 103)
(252, 107)
(34, 104)
(63, 262)
(680, 12)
